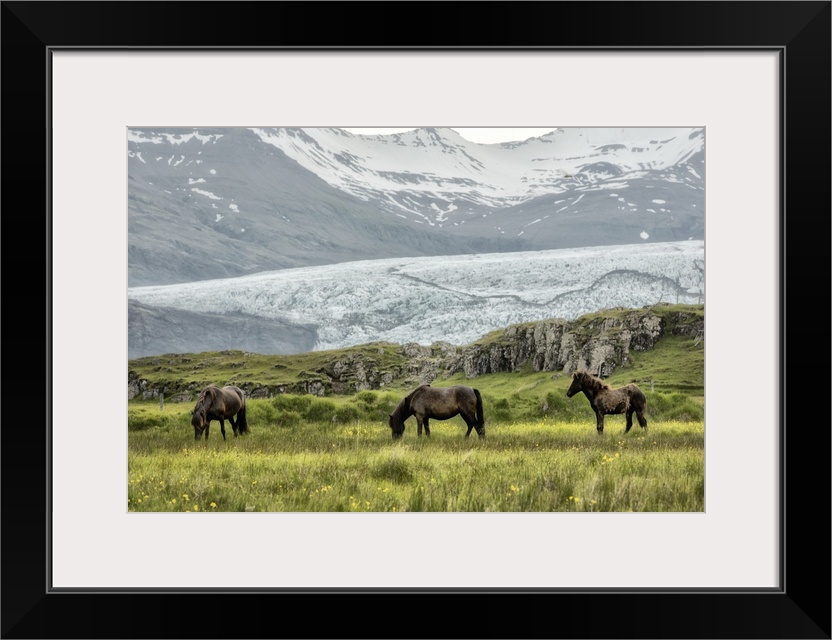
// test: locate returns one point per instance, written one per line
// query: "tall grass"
(301, 457)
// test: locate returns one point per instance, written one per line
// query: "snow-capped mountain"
(455, 299)
(212, 203)
(436, 176)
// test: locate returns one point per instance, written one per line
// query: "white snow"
(213, 172)
(644, 235)
(234, 208)
(195, 181)
(208, 194)
(141, 137)
(659, 201)
(219, 217)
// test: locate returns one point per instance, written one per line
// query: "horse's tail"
(480, 417)
(637, 399)
(640, 405)
(242, 424)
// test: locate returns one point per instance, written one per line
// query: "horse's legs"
(233, 425)
(642, 421)
(222, 428)
(419, 426)
(599, 422)
(207, 428)
(427, 427)
(629, 419)
(473, 424)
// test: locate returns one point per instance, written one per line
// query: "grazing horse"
(442, 403)
(605, 400)
(215, 403)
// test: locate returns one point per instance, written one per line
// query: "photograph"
(320, 290)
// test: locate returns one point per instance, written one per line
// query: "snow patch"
(208, 194)
(142, 137)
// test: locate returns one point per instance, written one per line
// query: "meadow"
(336, 454)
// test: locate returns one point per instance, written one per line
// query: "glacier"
(455, 299)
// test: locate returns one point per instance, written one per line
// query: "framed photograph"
(754, 77)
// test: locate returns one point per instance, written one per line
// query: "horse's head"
(198, 422)
(199, 418)
(396, 425)
(575, 387)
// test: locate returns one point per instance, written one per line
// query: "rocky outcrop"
(598, 345)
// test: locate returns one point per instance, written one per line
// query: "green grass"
(542, 465)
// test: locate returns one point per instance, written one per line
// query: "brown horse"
(442, 403)
(605, 400)
(215, 403)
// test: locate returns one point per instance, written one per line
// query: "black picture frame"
(800, 608)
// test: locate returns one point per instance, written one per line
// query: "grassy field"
(309, 454)
(335, 453)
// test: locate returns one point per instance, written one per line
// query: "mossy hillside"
(178, 372)
(675, 363)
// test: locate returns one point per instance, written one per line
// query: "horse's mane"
(208, 392)
(403, 408)
(589, 380)
(418, 389)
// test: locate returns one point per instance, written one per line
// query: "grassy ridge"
(675, 363)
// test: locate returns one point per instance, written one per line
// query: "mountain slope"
(212, 203)
(225, 204)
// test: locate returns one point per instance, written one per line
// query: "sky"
(482, 135)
